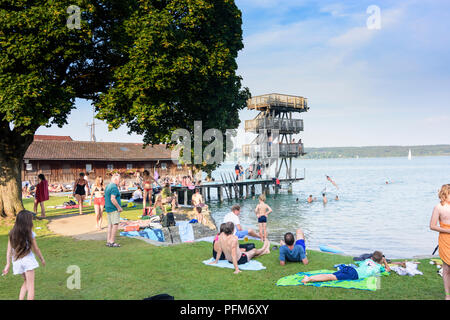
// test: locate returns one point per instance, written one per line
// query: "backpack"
(168, 220)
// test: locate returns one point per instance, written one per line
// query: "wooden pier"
(231, 189)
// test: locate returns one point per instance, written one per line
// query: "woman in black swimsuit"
(79, 191)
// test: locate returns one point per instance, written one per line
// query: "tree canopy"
(152, 65)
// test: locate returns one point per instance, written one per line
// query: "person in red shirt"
(41, 195)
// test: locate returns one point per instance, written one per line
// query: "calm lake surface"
(370, 215)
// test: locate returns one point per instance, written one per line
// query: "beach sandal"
(108, 244)
(114, 245)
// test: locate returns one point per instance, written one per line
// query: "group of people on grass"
(22, 245)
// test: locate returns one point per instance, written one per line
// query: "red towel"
(42, 191)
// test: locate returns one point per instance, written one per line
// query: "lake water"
(370, 215)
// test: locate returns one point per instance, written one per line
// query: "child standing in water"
(262, 211)
(21, 245)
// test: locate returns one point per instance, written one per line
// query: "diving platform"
(281, 102)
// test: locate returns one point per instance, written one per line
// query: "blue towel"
(152, 234)
(193, 221)
(252, 265)
(186, 231)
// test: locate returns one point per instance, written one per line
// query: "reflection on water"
(370, 215)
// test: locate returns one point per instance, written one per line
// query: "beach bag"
(168, 220)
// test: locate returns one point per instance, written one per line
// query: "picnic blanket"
(369, 283)
(152, 234)
(252, 265)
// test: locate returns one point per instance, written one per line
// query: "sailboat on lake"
(409, 155)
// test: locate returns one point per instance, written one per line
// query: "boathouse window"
(110, 166)
(88, 167)
(179, 166)
(164, 166)
(46, 170)
(129, 166)
(29, 167)
(66, 168)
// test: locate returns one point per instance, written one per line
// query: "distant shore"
(376, 152)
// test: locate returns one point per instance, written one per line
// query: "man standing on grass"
(113, 209)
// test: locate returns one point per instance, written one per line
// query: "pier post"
(252, 190)
(246, 191)
(263, 188)
(267, 189)
(241, 191)
(230, 190)
(290, 188)
(220, 194)
(208, 191)
(186, 197)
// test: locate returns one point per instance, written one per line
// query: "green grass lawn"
(138, 270)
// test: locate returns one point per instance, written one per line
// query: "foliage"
(181, 68)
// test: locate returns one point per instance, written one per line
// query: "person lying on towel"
(367, 268)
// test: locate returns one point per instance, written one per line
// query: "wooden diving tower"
(275, 126)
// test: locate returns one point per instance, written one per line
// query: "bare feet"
(305, 279)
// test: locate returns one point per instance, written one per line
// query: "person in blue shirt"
(367, 268)
(113, 209)
(293, 252)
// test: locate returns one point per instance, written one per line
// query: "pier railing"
(281, 150)
(277, 100)
(283, 125)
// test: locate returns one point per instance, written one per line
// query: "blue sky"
(365, 87)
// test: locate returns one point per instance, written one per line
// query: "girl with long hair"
(21, 245)
(98, 193)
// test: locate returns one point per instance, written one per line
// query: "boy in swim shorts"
(262, 210)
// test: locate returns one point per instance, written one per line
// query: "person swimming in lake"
(367, 268)
(324, 198)
(262, 211)
(311, 199)
(337, 198)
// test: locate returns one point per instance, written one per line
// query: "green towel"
(369, 283)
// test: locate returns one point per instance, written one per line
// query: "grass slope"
(138, 270)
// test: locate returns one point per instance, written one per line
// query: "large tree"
(181, 68)
(151, 65)
(38, 54)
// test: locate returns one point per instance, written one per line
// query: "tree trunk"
(12, 150)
